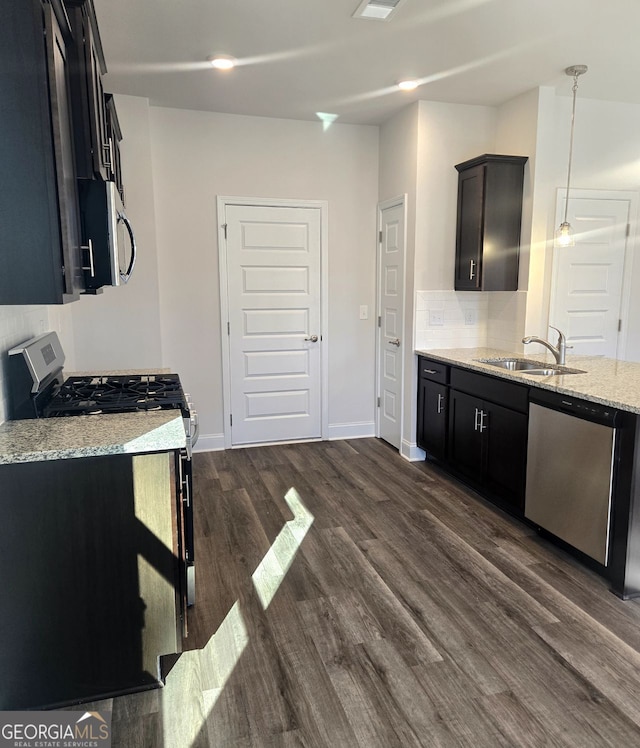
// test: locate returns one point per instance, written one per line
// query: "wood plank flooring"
(411, 613)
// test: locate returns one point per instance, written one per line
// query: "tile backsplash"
(17, 324)
(455, 319)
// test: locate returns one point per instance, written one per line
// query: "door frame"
(262, 202)
(400, 200)
(627, 270)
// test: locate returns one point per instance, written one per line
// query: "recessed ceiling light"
(408, 85)
(376, 10)
(222, 62)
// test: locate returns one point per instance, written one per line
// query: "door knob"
(395, 342)
(312, 338)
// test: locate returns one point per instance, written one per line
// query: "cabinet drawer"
(490, 388)
(433, 370)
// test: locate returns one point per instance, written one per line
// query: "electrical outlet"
(364, 311)
(470, 317)
(436, 317)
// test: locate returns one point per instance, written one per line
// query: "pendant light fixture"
(564, 232)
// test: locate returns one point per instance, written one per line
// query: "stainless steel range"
(38, 389)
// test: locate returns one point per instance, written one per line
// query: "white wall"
(198, 156)
(449, 134)
(516, 135)
(606, 157)
(120, 328)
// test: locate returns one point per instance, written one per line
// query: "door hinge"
(379, 321)
(228, 328)
(230, 419)
(628, 230)
(380, 236)
(224, 226)
(378, 402)
(619, 325)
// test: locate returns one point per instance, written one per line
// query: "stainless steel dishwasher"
(570, 458)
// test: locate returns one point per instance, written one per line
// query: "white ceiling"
(299, 57)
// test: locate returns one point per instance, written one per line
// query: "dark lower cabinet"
(432, 418)
(90, 557)
(465, 439)
(505, 454)
(433, 407)
(488, 445)
(476, 426)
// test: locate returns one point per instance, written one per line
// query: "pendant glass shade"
(564, 235)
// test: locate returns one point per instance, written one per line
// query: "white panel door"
(273, 275)
(586, 296)
(390, 347)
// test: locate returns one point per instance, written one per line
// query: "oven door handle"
(195, 421)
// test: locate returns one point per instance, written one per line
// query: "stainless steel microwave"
(109, 244)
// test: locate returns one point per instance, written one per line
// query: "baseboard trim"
(356, 430)
(411, 451)
(210, 443)
(335, 431)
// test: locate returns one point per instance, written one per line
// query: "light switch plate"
(364, 311)
(436, 317)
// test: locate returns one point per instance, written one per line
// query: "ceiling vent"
(377, 10)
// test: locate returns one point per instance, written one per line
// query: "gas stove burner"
(116, 394)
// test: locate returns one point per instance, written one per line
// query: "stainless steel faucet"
(558, 351)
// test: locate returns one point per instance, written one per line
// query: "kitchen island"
(489, 426)
(90, 547)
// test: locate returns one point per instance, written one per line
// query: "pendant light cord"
(573, 119)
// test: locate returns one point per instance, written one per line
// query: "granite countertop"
(606, 380)
(35, 440)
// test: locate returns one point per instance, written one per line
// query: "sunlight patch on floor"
(198, 678)
(273, 568)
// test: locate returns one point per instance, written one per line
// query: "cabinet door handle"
(91, 267)
(483, 425)
(475, 422)
(472, 269)
(440, 403)
(107, 156)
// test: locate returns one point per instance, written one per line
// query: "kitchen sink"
(536, 368)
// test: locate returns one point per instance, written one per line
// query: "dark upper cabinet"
(58, 130)
(40, 238)
(488, 224)
(114, 136)
(93, 152)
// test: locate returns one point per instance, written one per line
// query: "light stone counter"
(606, 380)
(35, 440)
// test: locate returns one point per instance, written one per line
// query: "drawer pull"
(429, 371)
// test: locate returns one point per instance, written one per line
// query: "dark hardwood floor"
(409, 613)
